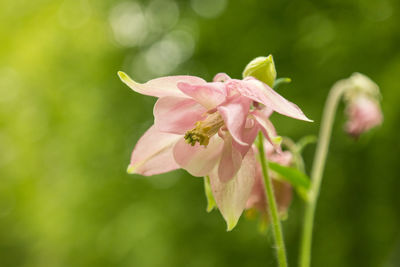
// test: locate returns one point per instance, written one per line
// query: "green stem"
(317, 170)
(273, 210)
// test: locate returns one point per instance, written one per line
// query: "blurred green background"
(68, 125)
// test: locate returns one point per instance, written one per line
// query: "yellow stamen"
(204, 130)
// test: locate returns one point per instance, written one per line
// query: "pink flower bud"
(363, 114)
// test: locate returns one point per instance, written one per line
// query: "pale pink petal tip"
(160, 87)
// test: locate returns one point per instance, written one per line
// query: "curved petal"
(177, 114)
(249, 135)
(198, 160)
(267, 128)
(209, 95)
(262, 93)
(231, 197)
(231, 159)
(234, 112)
(159, 87)
(153, 153)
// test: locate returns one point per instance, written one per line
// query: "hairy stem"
(273, 210)
(316, 172)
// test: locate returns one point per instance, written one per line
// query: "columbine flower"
(363, 110)
(208, 129)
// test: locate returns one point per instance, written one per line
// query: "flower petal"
(267, 128)
(221, 77)
(209, 95)
(153, 153)
(234, 112)
(231, 197)
(258, 199)
(249, 135)
(159, 87)
(231, 159)
(262, 93)
(177, 114)
(198, 160)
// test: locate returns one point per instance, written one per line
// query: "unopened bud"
(263, 69)
(363, 114)
(362, 97)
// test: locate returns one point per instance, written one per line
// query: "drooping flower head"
(216, 119)
(362, 97)
(208, 129)
(364, 114)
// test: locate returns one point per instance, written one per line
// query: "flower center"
(204, 130)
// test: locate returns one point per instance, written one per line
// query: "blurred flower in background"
(362, 97)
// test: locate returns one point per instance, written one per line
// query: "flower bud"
(263, 69)
(363, 114)
(362, 97)
(357, 85)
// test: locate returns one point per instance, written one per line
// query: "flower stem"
(273, 210)
(317, 170)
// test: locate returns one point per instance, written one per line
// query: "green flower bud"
(263, 69)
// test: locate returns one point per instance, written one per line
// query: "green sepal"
(211, 204)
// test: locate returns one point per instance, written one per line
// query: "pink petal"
(258, 199)
(231, 159)
(231, 197)
(153, 153)
(234, 112)
(177, 114)
(209, 95)
(160, 87)
(262, 93)
(267, 128)
(198, 160)
(221, 77)
(363, 114)
(249, 135)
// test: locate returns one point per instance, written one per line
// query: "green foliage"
(299, 180)
(295, 177)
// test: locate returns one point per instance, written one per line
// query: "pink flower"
(208, 129)
(282, 189)
(363, 114)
